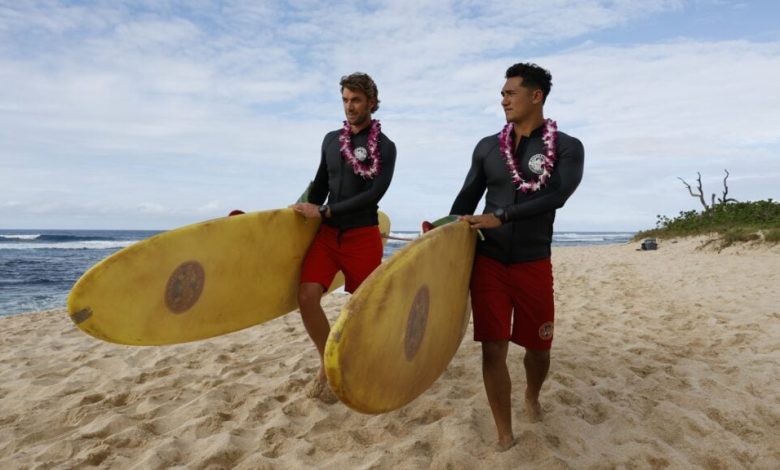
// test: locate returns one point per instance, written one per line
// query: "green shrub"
(734, 222)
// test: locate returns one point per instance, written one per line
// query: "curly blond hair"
(359, 81)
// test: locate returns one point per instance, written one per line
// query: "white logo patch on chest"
(535, 163)
(361, 154)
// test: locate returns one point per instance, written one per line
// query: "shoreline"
(667, 358)
(5, 304)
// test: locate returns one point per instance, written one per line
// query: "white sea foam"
(587, 238)
(79, 245)
(20, 236)
(405, 234)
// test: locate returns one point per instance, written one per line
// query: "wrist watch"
(500, 214)
(323, 211)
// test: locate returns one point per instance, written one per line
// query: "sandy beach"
(664, 359)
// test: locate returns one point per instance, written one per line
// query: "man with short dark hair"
(356, 167)
(529, 170)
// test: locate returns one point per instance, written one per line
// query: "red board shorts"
(513, 302)
(356, 252)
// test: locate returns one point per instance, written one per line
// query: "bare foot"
(327, 396)
(533, 410)
(314, 389)
(320, 390)
(505, 443)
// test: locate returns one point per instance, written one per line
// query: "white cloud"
(151, 208)
(200, 108)
(209, 207)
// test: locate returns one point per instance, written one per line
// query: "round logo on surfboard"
(416, 323)
(184, 286)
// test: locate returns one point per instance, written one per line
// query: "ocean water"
(39, 267)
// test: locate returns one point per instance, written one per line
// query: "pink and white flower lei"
(366, 170)
(549, 137)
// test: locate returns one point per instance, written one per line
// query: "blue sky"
(154, 114)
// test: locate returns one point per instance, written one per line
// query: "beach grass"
(738, 222)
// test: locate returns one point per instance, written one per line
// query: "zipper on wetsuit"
(512, 240)
(515, 191)
(341, 182)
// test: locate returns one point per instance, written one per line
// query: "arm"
(473, 188)
(376, 189)
(317, 191)
(319, 187)
(569, 167)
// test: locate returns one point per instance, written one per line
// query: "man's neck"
(526, 126)
(361, 126)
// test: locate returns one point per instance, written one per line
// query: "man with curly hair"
(356, 167)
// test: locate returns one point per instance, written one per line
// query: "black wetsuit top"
(353, 201)
(528, 233)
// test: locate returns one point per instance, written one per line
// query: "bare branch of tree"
(725, 197)
(700, 195)
(687, 186)
(701, 191)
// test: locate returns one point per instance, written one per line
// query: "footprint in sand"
(276, 435)
(568, 398)
(92, 398)
(432, 415)
(594, 414)
(96, 456)
(143, 377)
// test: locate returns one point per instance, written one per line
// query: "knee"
(539, 356)
(493, 353)
(309, 294)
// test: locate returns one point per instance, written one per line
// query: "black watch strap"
(500, 214)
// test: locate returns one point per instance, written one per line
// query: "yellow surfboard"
(198, 281)
(403, 325)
